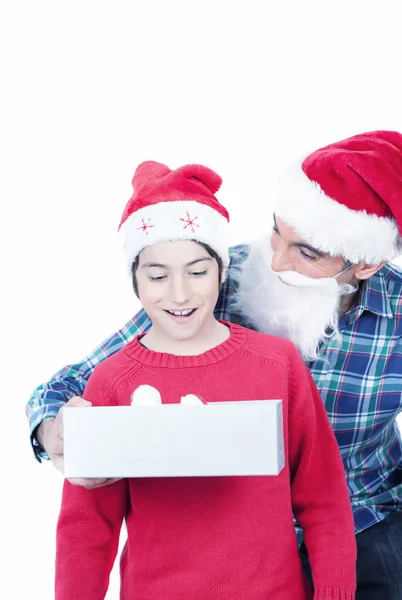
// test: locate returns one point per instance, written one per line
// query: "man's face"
(292, 253)
(303, 312)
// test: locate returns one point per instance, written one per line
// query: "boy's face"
(178, 287)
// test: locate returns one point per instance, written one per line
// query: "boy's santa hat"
(174, 205)
(346, 198)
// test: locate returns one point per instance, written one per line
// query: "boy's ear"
(224, 273)
(364, 271)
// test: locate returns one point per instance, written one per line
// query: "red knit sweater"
(215, 538)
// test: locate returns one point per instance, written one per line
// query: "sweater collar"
(236, 340)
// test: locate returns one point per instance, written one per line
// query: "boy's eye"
(198, 273)
(158, 278)
(275, 229)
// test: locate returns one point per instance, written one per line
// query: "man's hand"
(50, 437)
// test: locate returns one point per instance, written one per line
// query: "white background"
(90, 89)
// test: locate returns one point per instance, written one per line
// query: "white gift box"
(174, 440)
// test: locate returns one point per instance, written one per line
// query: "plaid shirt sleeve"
(49, 397)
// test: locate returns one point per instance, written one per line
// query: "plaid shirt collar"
(373, 297)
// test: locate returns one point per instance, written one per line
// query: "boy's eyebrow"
(153, 264)
(302, 244)
(162, 266)
(197, 260)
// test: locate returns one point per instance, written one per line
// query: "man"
(323, 279)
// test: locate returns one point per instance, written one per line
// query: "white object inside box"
(174, 440)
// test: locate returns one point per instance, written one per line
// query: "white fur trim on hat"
(330, 226)
(171, 221)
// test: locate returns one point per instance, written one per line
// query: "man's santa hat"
(174, 205)
(346, 198)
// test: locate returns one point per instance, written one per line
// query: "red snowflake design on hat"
(190, 222)
(145, 226)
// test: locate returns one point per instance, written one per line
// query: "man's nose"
(282, 260)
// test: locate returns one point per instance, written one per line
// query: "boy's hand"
(50, 437)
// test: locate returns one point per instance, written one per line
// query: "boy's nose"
(179, 291)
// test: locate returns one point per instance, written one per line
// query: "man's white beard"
(304, 315)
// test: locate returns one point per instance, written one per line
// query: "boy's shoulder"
(270, 346)
(119, 364)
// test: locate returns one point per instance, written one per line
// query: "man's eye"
(198, 273)
(307, 256)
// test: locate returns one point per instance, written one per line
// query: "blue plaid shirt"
(359, 378)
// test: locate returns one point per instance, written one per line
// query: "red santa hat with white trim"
(174, 205)
(346, 198)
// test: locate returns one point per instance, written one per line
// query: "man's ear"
(364, 271)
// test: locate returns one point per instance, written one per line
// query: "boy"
(206, 538)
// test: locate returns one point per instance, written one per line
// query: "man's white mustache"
(298, 280)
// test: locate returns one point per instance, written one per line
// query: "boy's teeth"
(180, 313)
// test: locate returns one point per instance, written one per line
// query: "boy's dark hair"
(210, 251)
